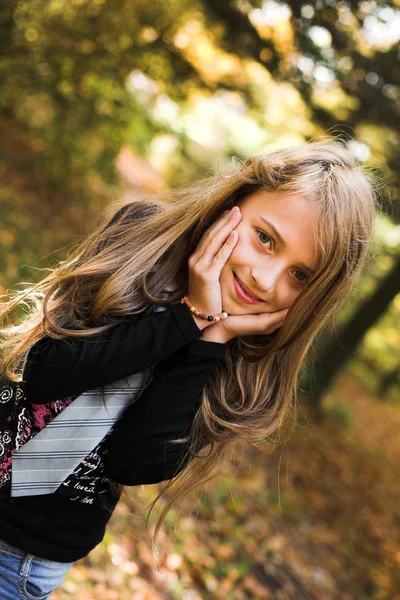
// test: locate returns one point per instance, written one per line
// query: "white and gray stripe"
(45, 461)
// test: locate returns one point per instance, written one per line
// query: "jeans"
(24, 576)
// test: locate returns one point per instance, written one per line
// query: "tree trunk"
(388, 380)
(337, 352)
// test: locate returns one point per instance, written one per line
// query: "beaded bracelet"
(203, 315)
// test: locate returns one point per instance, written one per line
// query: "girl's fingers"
(210, 233)
(224, 253)
(212, 246)
(264, 323)
(276, 320)
(213, 266)
(215, 226)
(260, 324)
(272, 329)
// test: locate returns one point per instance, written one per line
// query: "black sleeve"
(138, 451)
(67, 367)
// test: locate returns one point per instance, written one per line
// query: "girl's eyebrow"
(275, 231)
(280, 238)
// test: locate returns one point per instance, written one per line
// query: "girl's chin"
(233, 308)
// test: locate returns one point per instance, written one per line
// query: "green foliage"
(339, 414)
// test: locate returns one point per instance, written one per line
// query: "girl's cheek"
(287, 297)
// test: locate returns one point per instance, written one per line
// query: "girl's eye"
(303, 276)
(268, 240)
(300, 275)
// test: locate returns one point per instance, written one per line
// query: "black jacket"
(66, 525)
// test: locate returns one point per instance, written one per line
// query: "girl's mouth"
(241, 294)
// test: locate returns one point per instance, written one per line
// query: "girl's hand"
(206, 263)
(239, 325)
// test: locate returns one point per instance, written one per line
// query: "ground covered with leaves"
(316, 520)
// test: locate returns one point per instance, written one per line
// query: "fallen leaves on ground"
(318, 519)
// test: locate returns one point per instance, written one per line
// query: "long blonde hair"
(141, 245)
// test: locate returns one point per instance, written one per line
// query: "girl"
(212, 295)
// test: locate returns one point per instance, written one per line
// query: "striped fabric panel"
(44, 462)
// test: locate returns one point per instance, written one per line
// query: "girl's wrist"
(201, 323)
(215, 334)
(200, 317)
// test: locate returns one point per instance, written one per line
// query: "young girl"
(202, 302)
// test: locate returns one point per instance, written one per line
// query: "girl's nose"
(265, 282)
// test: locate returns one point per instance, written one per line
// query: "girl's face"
(274, 257)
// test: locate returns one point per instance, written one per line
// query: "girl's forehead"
(279, 202)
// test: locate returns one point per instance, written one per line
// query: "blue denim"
(24, 576)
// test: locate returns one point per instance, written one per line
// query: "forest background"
(100, 96)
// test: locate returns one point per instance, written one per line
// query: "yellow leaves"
(31, 34)
(336, 101)
(66, 88)
(204, 49)
(7, 238)
(212, 62)
(201, 50)
(266, 54)
(125, 41)
(103, 107)
(277, 542)
(283, 37)
(86, 46)
(225, 552)
(286, 111)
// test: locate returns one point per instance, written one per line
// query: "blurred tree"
(388, 379)
(336, 53)
(66, 109)
(336, 352)
(65, 69)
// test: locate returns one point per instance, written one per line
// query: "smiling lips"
(244, 292)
